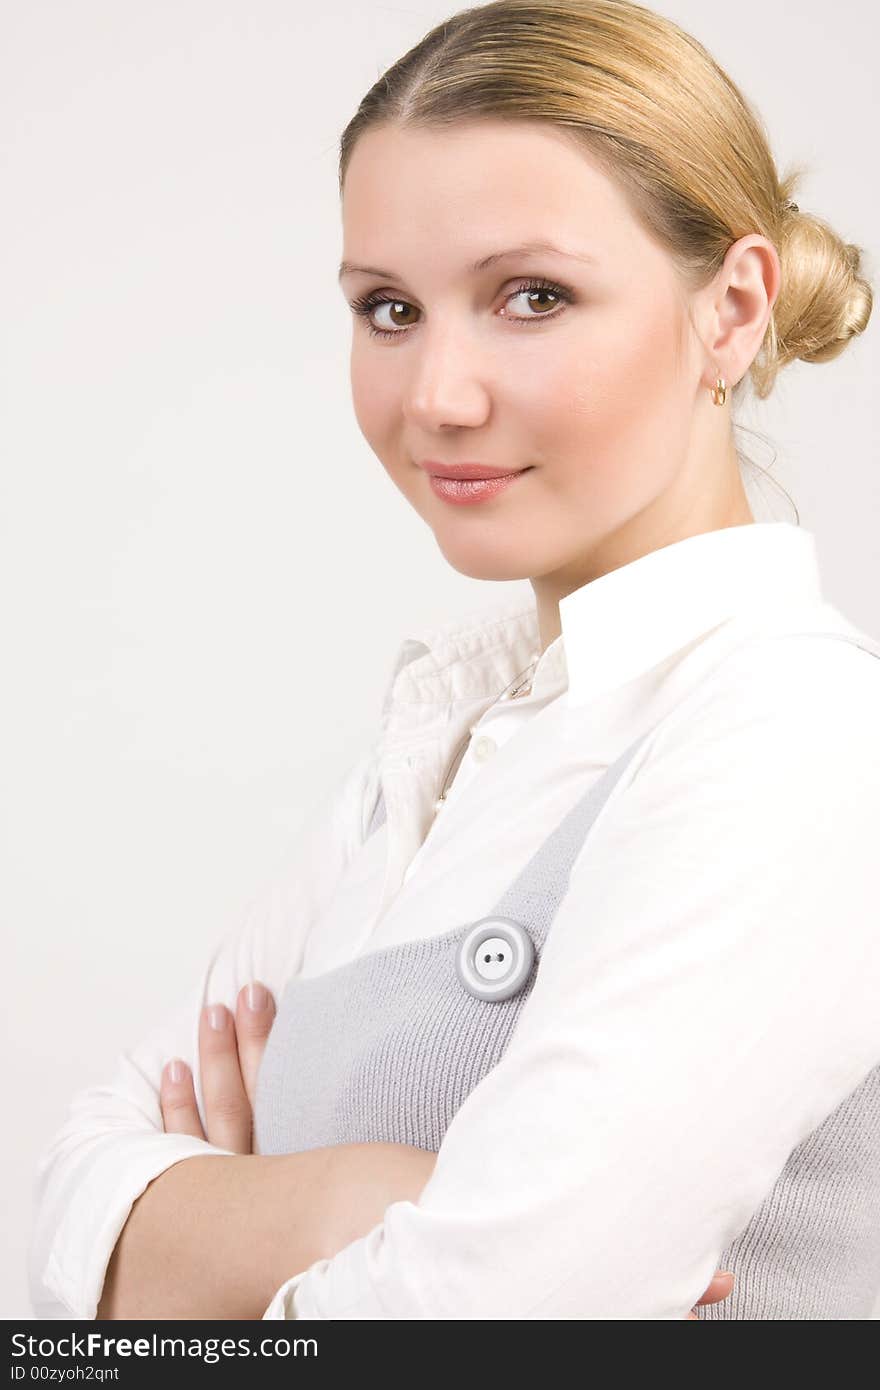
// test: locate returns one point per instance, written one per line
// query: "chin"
(486, 565)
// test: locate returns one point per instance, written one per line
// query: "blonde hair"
(666, 124)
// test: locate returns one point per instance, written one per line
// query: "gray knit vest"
(387, 1047)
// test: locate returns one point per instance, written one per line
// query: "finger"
(180, 1114)
(227, 1109)
(720, 1286)
(252, 1028)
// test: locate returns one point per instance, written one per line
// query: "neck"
(669, 518)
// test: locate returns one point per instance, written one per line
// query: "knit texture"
(387, 1047)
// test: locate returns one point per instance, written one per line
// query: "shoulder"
(802, 674)
(805, 703)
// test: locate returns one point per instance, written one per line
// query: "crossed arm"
(216, 1236)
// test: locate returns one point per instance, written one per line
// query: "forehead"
(475, 187)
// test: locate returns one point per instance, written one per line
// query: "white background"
(201, 557)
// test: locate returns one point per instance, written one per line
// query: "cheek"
(618, 413)
(375, 399)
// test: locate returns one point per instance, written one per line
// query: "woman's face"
(594, 384)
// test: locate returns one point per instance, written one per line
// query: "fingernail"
(257, 997)
(725, 1274)
(177, 1070)
(217, 1017)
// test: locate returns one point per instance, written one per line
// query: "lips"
(467, 471)
(467, 491)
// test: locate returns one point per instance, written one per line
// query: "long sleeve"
(112, 1143)
(706, 997)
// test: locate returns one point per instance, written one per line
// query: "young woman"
(576, 973)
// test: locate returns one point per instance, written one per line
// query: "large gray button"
(495, 958)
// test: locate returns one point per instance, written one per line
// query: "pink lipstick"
(466, 483)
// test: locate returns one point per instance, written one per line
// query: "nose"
(444, 381)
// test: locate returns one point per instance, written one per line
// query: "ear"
(732, 312)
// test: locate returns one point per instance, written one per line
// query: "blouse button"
(495, 958)
(484, 748)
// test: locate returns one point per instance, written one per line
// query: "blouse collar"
(614, 627)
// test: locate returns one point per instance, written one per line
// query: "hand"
(720, 1286)
(378, 1174)
(229, 1058)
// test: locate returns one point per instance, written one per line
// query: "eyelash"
(364, 306)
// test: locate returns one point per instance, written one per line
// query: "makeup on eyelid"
(365, 304)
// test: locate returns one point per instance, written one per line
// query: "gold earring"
(719, 391)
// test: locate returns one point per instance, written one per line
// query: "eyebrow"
(349, 267)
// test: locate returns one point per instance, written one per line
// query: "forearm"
(215, 1236)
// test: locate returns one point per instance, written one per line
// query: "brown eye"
(536, 290)
(533, 296)
(535, 293)
(397, 308)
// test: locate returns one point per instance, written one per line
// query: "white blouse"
(543, 680)
(728, 899)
